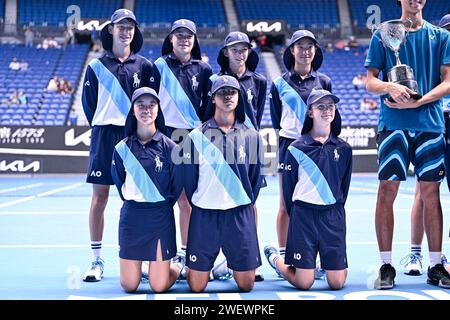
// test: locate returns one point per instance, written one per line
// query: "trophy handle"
(374, 30)
(411, 23)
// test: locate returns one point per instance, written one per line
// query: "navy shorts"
(397, 148)
(314, 231)
(141, 225)
(283, 144)
(232, 230)
(103, 141)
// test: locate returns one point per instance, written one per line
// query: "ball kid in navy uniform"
(302, 58)
(109, 84)
(222, 181)
(181, 79)
(237, 59)
(316, 181)
(149, 183)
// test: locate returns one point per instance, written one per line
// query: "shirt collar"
(111, 55)
(247, 73)
(212, 124)
(293, 74)
(156, 137)
(172, 56)
(310, 141)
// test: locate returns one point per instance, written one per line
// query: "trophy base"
(404, 76)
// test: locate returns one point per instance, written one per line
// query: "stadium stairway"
(231, 15)
(77, 104)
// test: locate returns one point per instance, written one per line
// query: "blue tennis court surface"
(44, 246)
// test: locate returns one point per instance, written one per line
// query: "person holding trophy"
(414, 58)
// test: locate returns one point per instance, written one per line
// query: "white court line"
(82, 246)
(29, 186)
(40, 195)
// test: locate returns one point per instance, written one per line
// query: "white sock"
(96, 247)
(386, 257)
(435, 258)
(273, 258)
(282, 252)
(416, 249)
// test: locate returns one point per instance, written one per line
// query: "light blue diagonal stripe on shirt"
(291, 98)
(314, 174)
(143, 182)
(222, 169)
(112, 85)
(177, 93)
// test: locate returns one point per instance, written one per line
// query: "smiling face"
(182, 40)
(145, 110)
(304, 51)
(323, 112)
(123, 32)
(226, 99)
(413, 6)
(237, 54)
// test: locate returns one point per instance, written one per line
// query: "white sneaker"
(180, 261)
(144, 272)
(220, 270)
(95, 272)
(413, 264)
(258, 276)
(319, 273)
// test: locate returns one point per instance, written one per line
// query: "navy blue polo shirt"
(109, 85)
(222, 170)
(146, 172)
(288, 97)
(183, 90)
(317, 175)
(253, 91)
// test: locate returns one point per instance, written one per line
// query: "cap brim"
(336, 124)
(251, 63)
(289, 61)
(145, 94)
(107, 39)
(167, 48)
(186, 27)
(332, 96)
(123, 18)
(239, 112)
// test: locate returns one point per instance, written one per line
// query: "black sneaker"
(438, 276)
(386, 277)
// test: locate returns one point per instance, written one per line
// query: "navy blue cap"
(317, 94)
(445, 21)
(289, 59)
(236, 37)
(117, 16)
(314, 96)
(131, 122)
(144, 91)
(121, 14)
(224, 82)
(182, 23)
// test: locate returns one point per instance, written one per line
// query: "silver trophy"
(393, 35)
